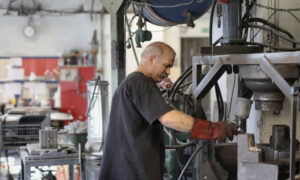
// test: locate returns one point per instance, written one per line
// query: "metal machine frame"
(266, 62)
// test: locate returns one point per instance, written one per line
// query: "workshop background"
(57, 70)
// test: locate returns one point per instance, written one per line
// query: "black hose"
(190, 159)
(219, 101)
(175, 85)
(179, 146)
(179, 83)
(180, 77)
(279, 35)
(185, 84)
(211, 20)
(272, 25)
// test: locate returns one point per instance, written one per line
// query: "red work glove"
(203, 129)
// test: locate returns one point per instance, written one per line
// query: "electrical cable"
(179, 78)
(190, 159)
(176, 86)
(179, 83)
(269, 29)
(274, 26)
(93, 96)
(292, 14)
(131, 20)
(130, 38)
(276, 9)
(263, 25)
(185, 84)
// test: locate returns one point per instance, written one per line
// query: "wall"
(55, 33)
(59, 30)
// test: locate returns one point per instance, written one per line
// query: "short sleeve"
(151, 104)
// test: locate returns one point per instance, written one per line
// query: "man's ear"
(151, 59)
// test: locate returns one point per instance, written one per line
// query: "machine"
(265, 78)
(21, 126)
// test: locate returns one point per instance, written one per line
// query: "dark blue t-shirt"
(134, 146)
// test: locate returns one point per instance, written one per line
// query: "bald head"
(157, 61)
(157, 49)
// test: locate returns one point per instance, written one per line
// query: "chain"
(276, 9)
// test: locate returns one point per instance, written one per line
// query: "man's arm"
(200, 129)
(177, 120)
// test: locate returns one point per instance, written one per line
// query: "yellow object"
(13, 101)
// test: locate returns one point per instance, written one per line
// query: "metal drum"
(266, 94)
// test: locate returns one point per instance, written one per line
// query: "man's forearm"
(177, 120)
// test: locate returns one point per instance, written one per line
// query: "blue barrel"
(161, 15)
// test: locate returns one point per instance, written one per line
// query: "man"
(134, 146)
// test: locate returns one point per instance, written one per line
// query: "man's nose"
(168, 71)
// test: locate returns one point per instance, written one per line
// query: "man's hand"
(203, 129)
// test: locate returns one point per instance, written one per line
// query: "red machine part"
(73, 81)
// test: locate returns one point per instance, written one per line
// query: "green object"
(171, 160)
(142, 36)
(204, 29)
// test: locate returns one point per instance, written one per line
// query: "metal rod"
(209, 80)
(276, 77)
(255, 58)
(293, 136)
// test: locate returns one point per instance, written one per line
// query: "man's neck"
(144, 71)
